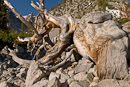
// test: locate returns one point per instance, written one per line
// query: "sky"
(24, 7)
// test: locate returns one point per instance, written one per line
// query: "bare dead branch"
(38, 51)
(38, 4)
(20, 61)
(59, 47)
(48, 16)
(33, 5)
(63, 62)
(47, 42)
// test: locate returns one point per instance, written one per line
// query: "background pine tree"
(7, 36)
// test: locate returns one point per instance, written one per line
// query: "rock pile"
(77, 72)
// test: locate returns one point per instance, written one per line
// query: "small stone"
(83, 68)
(84, 61)
(80, 76)
(95, 79)
(74, 84)
(93, 70)
(74, 64)
(63, 78)
(71, 73)
(59, 71)
(41, 83)
(72, 57)
(53, 75)
(93, 84)
(70, 80)
(84, 84)
(69, 68)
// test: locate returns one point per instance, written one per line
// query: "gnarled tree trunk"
(106, 44)
(95, 35)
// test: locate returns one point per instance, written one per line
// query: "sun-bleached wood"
(95, 35)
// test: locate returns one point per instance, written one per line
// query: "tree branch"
(63, 62)
(18, 60)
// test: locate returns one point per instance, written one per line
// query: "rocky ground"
(77, 72)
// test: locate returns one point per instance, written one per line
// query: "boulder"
(53, 75)
(34, 74)
(54, 83)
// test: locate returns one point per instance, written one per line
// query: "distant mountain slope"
(14, 23)
(77, 8)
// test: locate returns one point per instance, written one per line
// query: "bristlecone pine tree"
(95, 35)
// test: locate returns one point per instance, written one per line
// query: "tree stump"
(105, 42)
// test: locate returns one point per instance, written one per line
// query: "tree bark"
(25, 63)
(106, 44)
